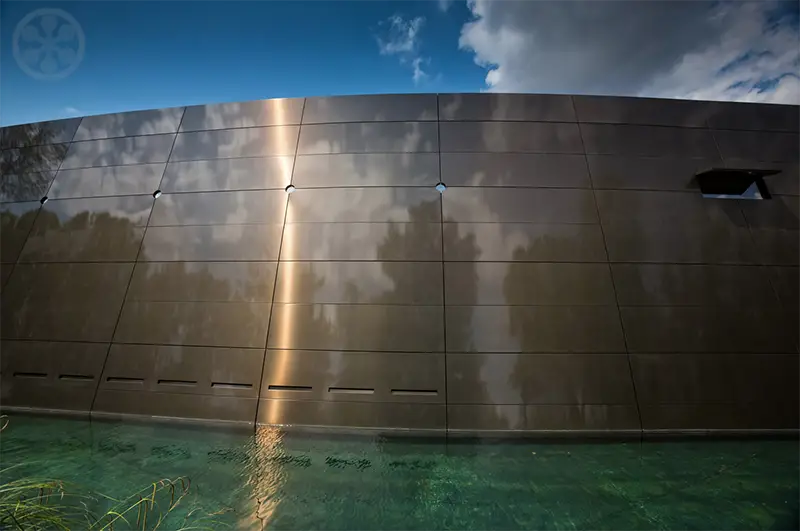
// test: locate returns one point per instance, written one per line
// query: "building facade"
(446, 264)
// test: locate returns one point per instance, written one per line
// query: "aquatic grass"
(43, 504)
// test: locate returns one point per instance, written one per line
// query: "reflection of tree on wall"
(306, 320)
(417, 235)
(421, 237)
(168, 326)
(26, 170)
(86, 235)
(526, 335)
(104, 235)
(468, 292)
(517, 290)
(10, 219)
(19, 180)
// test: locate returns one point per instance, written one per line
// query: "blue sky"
(141, 55)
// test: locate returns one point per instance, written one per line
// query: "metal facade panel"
(568, 260)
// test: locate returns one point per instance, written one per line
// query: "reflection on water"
(276, 481)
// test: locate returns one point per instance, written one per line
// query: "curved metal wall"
(570, 278)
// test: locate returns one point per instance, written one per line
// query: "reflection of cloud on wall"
(107, 181)
(387, 137)
(227, 174)
(220, 208)
(366, 169)
(129, 124)
(364, 204)
(243, 114)
(119, 151)
(233, 143)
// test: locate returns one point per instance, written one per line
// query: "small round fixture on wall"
(441, 187)
(43, 200)
(156, 194)
(290, 189)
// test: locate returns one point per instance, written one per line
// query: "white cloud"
(703, 50)
(401, 38)
(418, 74)
(444, 5)
(71, 111)
(750, 52)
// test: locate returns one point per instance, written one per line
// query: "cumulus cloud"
(400, 37)
(699, 50)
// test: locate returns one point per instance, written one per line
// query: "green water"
(292, 482)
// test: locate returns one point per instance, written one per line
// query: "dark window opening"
(734, 183)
